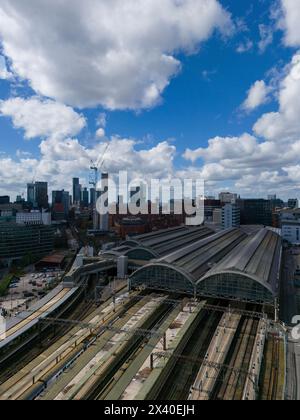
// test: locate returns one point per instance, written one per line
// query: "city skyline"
(217, 101)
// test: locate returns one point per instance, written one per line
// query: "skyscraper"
(31, 194)
(231, 216)
(92, 196)
(85, 197)
(61, 198)
(41, 194)
(76, 191)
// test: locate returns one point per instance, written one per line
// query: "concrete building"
(209, 207)
(33, 218)
(217, 217)
(291, 231)
(4, 199)
(17, 241)
(231, 216)
(290, 225)
(293, 203)
(227, 197)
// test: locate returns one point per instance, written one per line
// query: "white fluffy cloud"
(257, 95)
(284, 124)
(61, 159)
(118, 54)
(42, 118)
(266, 37)
(290, 22)
(269, 162)
(100, 133)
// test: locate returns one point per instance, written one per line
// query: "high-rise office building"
(41, 195)
(76, 191)
(227, 197)
(255, 211)
(61, 202)
(5, 199)
(92, 196)
(85, 197)
(231, 216)
(31, 194)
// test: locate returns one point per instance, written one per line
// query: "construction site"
(191, 315)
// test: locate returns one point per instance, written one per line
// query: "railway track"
(37, 346)
(29, 381)
(178, 384)
(272, 393)
(231, 384)
(106, 376)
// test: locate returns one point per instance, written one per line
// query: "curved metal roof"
(193, 261)
(168, 240)
(196, 258)
(257, 258)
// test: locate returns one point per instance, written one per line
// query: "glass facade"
(224, 285)
(162, 278)
(17, 241)
(235, 287)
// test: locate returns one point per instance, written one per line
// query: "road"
(288, 305)
(288, 309)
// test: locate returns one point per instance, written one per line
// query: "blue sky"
(201, 100)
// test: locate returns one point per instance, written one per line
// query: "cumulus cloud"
(60, 159)
(263, 161)
(101, 120)
(258, 95)
(284, 124)
(42, 118)
(118, 54)
(100, 133)
(4, 73)
(290, 22)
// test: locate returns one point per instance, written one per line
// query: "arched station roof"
(255, 265)
(228, 265)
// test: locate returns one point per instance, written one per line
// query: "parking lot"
(26, 290)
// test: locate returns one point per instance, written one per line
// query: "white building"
(33, 218)
(230, 216)
(290, 225)
(291, 231)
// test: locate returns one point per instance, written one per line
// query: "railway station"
(194, 321)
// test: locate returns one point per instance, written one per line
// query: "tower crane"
(95, 167)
